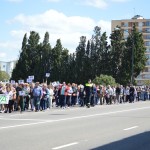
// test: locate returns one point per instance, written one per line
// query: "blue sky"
(64, 19)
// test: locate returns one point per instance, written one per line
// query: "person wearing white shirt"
(10, 93)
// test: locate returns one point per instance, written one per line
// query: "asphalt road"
(112, 127)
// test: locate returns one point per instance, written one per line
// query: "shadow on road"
(136, 142)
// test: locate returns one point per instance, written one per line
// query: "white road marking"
(67, 145)
(130, 128)
(13, 119)
(73, 118)
(22, 125)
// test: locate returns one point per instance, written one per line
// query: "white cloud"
(96, 3)
(10, 50)
(105, 26)
(10, 45)
(59, 26)
(2, 54)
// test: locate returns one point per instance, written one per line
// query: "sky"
(67, 20)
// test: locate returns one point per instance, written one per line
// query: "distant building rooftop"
(137, 17)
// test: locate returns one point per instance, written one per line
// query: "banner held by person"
(4, 99)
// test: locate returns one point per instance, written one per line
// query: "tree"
(56, 61)
(45, 58)
(117, 55)
(4, 76)
(146, 82)
(104, 57)
(95, 51)
(33, 55)
(28, 63)
(20, 70)
(104, 80)
(64, 68)
(72, 72)
(80, 60)
(136, 48)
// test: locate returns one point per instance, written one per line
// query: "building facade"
(143, 26)
(7, 66)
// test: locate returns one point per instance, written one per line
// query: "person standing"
(131, 91)
(74, 94)
(88, 92)
(37, 96)
(69, 95)
(118, 91)
(63, 95)
(10, 93)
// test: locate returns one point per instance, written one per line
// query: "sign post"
(47, 75)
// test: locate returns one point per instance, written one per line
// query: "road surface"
(108, 127)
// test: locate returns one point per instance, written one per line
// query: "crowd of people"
(40, 97)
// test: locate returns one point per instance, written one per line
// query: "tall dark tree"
(56, 61)
(71, 72)
(87, 62)
(34, 54)
(136, 50)
(64, 67)
(45, 62)
(20, 70)
(117, 54)
(95, 46)
(103, 52)
(80, 59)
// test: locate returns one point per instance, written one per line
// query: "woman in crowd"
(2, 91)
(69, 94)
(9, 92)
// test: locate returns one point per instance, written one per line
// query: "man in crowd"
(88, 92)
(37, 96)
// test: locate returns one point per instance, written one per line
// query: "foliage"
(4, 76)
(147, 82)
(91, 59)
(104, 80)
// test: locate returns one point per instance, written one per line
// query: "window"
(147, 30)
(147, 76)
(140, 29)
(147, 43)
(147, 23)
(147, 37)
(145, 70)
(125, 24)
(3, 66)
(148, 63)
(148, 56)
(140, 24)
(148, 50)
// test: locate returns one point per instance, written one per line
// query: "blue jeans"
(37, 103)
(43, 103)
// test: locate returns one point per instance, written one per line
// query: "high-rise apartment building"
(7, 66)
(143, 26)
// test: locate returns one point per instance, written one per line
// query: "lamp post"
(132, 54)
